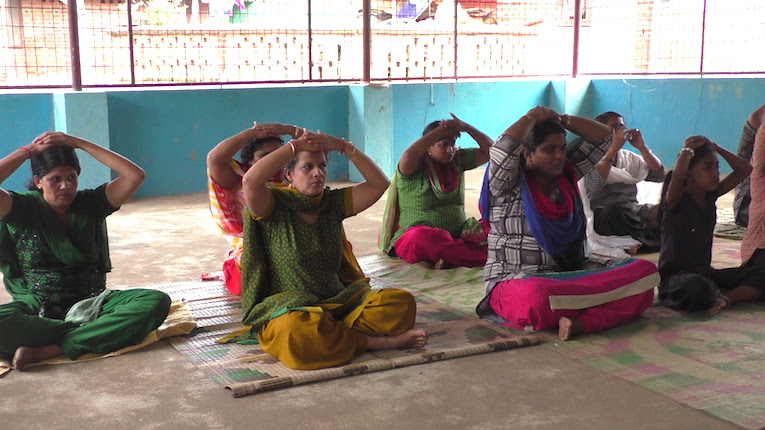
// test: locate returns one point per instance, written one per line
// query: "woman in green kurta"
(54, 257)
(303, 295)
(424, 217)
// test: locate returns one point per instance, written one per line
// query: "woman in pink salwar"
(424, 217)
(539, 274)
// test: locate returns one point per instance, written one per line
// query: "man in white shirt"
(612, 186)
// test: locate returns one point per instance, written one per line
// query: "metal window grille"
(184, 42)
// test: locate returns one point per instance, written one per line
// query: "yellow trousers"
(315, 340)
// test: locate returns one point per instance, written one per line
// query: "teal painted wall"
(668, 111)
(169, 131)
(85, 115)
(489, 106)
(22, 118)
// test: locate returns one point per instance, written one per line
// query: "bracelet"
(345, 145)
(353, 153)
(568, 121)
(28, 151)
(530, 117)
(688, 150)
(297, 132)
(613, 161)
(294, 150)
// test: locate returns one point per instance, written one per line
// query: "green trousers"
(126, 318)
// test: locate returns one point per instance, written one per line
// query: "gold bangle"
(568, 121)
(297, 132)
(294, 151)
(353, 153)
(530, 117)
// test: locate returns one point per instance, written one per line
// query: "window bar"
(310, 44)
(577, 25)
(367, 40)
(703, 34)
(455, 39)
(74, 44)
(130, 40)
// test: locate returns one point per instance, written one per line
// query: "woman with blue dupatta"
(304, 296)
(539, 274)
(54, 256)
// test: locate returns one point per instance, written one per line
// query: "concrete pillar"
(85, 115)
(370, 125)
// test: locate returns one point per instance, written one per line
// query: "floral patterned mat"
(246, 369)
(715, 364)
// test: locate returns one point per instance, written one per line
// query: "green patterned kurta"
(289, 263)
(48, 265)
(419, 204)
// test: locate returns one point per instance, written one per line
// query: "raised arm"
(588, 129)
(522, 128)
(129, 175)
(10, 164)
(366, 193)
(219, 157)
(506, 152)
(676, 186)
(604, 165)
(482, 139)
(257, 195)
(410, 159)
(637, 141)
(741, 169)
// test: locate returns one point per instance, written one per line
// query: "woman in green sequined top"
(54, 257)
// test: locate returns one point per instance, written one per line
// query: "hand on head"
(269, 129)
(694, 142)
(451, 127)
(322, 142)
(455, 124)
(543, 113)
(52, 138)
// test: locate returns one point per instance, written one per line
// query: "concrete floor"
(160, 240)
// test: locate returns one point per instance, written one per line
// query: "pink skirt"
(423, 243)
(601, 298)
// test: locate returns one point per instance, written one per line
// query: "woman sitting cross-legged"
(424, 216)
(224, 180)
(688, 216)
(303, 294)
(54, 257)
(539, 274)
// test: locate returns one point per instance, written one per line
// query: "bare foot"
(632, 250)
(569, 326)
(441, 264)
(408, 339)
(721, 302)
(32, 354)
